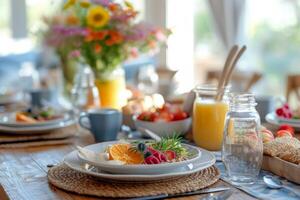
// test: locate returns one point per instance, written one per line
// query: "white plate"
(206, 160)
(36, 129)
(274, 120)
(10, 98)
(9, 119)
(140, 168)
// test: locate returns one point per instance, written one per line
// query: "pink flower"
(74, 54)
(160, 36)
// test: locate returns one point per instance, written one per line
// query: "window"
(4, 19)
(273, 39)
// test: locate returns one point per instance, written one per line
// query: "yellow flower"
(68, 4)
(97, 17)
(84, 4)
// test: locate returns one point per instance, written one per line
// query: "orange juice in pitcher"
(209, 117)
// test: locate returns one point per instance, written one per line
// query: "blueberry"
(147, 154)
(141, 147)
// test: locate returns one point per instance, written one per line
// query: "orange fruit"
(20, 117)
(124, 153)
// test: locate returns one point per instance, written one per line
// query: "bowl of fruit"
(165, 121)
(284, 115)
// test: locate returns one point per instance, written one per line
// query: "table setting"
(233, 152)
(109, 139)
(36, 124)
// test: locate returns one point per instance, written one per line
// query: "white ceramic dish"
(165, 129)
(206, 160)
(140, 168)
(283, 120)
(10, 98)
(36, 129)
(276, 121)
(9, 119)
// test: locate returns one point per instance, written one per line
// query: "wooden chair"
(293, 85)
(244, 80)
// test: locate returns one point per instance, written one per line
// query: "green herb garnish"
(171, 143)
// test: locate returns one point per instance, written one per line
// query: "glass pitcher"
(209, 116)
(242, 150)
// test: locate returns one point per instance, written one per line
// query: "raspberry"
(279, 112)
(286, 106)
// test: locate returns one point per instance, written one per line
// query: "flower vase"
(112, 88)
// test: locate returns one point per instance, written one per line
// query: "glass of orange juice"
(112, 89)
(209, 117)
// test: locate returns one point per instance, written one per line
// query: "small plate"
(206, 160)
(9, 119)
(274, 120)
(36, 129)
(140, 168)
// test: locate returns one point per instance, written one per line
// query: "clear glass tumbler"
(242, 149)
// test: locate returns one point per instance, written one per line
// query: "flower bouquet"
(103, 34)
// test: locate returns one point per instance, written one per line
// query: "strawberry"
(165, 117)
(180, 115)
(151, 160)
(171, 155)
(157, 154)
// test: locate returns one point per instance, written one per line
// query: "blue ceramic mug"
(103, 123)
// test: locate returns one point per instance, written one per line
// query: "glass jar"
(242, 149)
(209, 116)
(84, 94)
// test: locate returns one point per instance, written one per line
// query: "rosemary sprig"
(171, 143)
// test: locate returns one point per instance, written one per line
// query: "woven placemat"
(67, 179)
(59, 136)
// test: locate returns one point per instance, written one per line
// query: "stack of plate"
(200, 160)
(8, 124)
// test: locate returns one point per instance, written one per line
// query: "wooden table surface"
(23, 173)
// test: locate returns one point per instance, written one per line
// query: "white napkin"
(97, 157)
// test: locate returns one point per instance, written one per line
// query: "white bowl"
(165, 129)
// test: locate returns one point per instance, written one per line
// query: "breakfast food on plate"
(33, 115)
(286, 112)
(167, 113)
(286, 148)
(148, 152)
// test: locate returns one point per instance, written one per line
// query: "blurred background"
(203, 32)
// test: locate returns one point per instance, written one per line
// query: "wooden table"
(23, 173)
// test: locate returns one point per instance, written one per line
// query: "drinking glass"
(242, 149)
(85, 94)
(209, 117)
(148, 80)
